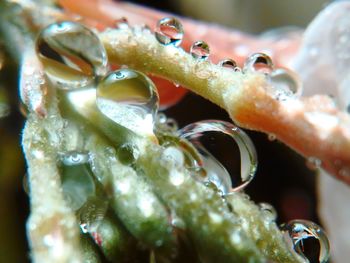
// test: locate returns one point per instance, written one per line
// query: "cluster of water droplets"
(73, 58)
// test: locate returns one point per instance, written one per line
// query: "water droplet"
(271, 136)
(285, 83)
(77, 179)
(200, 50)
(128, 153)
(228, 63)
(130, 99)
(268, 211)
(348, 108)
(206, 136)
(92, 213)
(72, 55)
(258, 62)
(74, 158)
(161, 118)
(169, 31)
(122, 23)
(175, 154)
(313, 163)
(177, 85)
(297, 231)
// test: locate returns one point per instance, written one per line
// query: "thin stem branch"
(312, 126)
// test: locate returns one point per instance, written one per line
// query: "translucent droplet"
(175, 154)
(122, 23)
(161, 118)
(268, 211)
(92, 213)
(128, 153)
(74, 158)
(228, 63)
(313, 163)
(297, 231)
(285, 83)
(200, 50)
(76, 178)
(258, 62)
(165, 124)
(130, 99)
(72, 55)
(271, 136)
(205, 136)
(169, 31)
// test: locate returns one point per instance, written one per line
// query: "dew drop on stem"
(228, 63)
(258, 62)
(72, 55)
(169, 31)
(297, 232)
(91, 214)
(200, 50)
(130, 99)
(285, 84)
(77, 178)
(205, 136)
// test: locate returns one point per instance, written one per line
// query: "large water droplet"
(72, 55)
(285, 83)
(169, 31)
(214, 138)
(258, 62)
(130, 99)
(298, 231)
(200, 50)
(77, 179)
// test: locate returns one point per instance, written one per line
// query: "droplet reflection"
(298, 231)
(216, 173)
(169, 31)
(200, 50)
(130, 99)
(72, 55)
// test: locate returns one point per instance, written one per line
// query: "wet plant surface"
(135, 179)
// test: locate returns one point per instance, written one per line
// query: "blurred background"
(283, 178)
